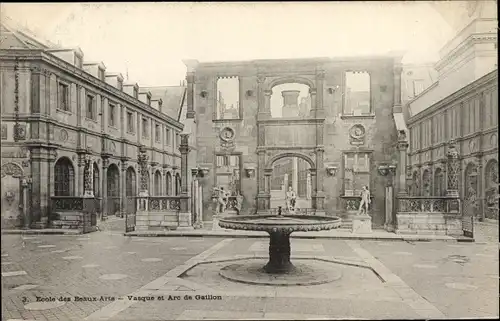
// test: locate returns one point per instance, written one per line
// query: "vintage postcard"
(249, 160)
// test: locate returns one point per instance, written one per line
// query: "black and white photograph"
(296, 160)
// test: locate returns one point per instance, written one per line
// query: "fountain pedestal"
(279, 253)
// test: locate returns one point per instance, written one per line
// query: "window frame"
(371, 113)
(112, 114)
(94, 106)
(157, 132)
(66, 85)
(130, 122)
(144, 127)
(215, 116)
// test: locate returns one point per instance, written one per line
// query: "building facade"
(71, 129)
(460, 110)
(341, 142)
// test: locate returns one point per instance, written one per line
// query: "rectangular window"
(64, 97)
(157, 132)
(167, 137)
(90, 107)
(144, 127)
(418, 87)
(177, 140)
(228, 98)
(357, 94)
(112, 110)
(130, 122)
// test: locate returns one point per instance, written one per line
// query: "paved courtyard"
(177, 278)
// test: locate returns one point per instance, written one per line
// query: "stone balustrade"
(75, 212)
(163, 203)
(428, 204)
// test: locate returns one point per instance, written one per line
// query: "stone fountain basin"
(281, 223)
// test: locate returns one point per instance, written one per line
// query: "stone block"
(361, 224)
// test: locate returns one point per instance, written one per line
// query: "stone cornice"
(85, 76)
(291, 121)
(463, 46)
(449, 100)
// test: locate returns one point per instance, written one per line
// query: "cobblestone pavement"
(411, 280)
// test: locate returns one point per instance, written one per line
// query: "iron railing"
(428, 204)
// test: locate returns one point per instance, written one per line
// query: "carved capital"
(268, 92)
(261, 79)
(320, 75)
(312, 91)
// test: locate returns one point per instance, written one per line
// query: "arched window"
(491, 175)
(130, 182)
(169, 183)
(177, 184)
(64, 178)
(157, 182)
(439, 189)
(97, 190)
(415, 184)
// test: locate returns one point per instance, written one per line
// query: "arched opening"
(157, 184)
(130, 190)
(113, 189)
(491, 191)
(290, 100)
(169, 183)
(439, 188)
(470, 190)
(291, 183)
(97, 190)
(426, 183)
(64, 177)
(177, 184)
(415, 186)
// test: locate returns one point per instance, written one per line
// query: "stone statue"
(222, 199)
(290, 199)
(239, 202)
(365, 200)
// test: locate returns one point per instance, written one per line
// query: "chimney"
(131, 88)
(73, 56)
(145, 97)
(156, 103)
(290, 103)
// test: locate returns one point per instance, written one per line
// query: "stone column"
(480, 187)
(397, 88)
(261, 184)
(143, 169)
(185, 220)
(80, 188)
(319, 111)
(266, 113)
(318, 176)
(196, 209)
(308, 187)
(104, 189)
(453, 171)
(123, 188)
(402, 147)
(267, 198)
(88, 177)
(190, 78)
(42, 180)
(295, 175)
(312, 171)
(261, 102)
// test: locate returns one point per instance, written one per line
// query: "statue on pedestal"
(222, 199)
(290, 199)
(365, 200)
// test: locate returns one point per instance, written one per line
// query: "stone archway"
(264, 196)
(113, 189)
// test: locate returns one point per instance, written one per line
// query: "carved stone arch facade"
(439, 182)
(296, 79)
(279, 155)
(427, 181)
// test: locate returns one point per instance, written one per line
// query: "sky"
(150, 40)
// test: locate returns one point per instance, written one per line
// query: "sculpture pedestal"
(361, 224)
